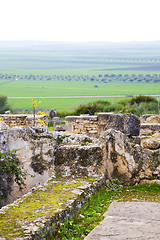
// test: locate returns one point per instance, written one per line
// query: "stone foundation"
(82, 124)
(75, 152)
(19, 120)
(127, 123)
(44, 154)
(148, 129)
(114, 154)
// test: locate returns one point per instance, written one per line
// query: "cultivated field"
(45, 69)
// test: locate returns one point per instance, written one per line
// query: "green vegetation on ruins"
(91, 214)
(43, 203)
(46, 201)
(11, 165)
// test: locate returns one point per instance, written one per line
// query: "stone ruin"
(106, 146)
(110, 145)
(129, 124)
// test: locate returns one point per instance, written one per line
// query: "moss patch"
(33, 210)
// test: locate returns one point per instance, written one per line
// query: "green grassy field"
(79, 88)
(60, 104)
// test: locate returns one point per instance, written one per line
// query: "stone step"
(128, 221)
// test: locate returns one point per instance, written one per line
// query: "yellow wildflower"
(35, 103)
(41, 121)
(42, 113)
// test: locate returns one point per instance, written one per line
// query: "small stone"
(60, 204)
(151, 144)
(84, 186)
(77, 191)
(3, 126)
(2, 212)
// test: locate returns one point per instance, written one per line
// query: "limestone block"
(103, 118)
(153, 119)
(149, 129)
(79, 126)
(3, 126)
(151, 144)
(127, 160)
(69, 126)
(120, 162)
(127, 123)
(81, 160)
(144, 117)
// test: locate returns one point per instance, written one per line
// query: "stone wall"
(110, 155)
(14, 120)
(148, 129)
(35, 154)
(82, 124)
(19, 120)
(150, 118)
(129, 124)
(45, 154)
(150, 124)
(129, 160)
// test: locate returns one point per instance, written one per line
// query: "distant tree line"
(101, 78)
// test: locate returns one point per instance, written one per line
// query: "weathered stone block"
(81, 160)
(144, 117)
(150, 118)
(127, 161)
(127, 123)
(69, 126)
(103, 118)
(151, 144)
(131, 124)
(149, 128)
(153, 119)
